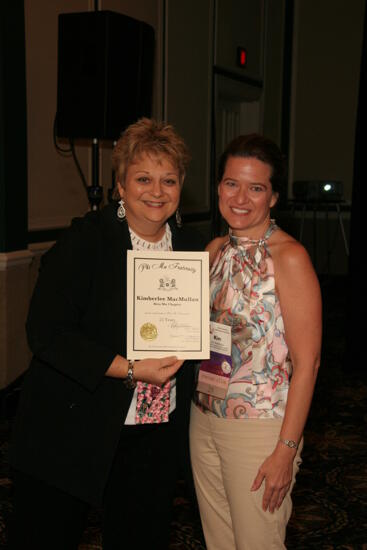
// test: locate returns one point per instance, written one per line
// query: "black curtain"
(13, 128)
(357, 282)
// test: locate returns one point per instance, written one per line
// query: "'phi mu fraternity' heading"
(168, 304)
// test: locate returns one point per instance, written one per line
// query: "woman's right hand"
(152, 371)
(156, 371)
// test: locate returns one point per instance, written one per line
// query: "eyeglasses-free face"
(246, 196)
(151, 193)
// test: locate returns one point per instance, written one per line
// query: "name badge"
(214, 373)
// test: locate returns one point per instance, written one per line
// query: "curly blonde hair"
(148, 136)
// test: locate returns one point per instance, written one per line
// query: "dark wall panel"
(354, 323)
(13, 131)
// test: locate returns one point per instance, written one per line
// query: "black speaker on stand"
(105, 77)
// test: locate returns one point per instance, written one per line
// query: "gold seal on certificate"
(168, 304)
(148, 331)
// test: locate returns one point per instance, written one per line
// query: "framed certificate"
(168, 304)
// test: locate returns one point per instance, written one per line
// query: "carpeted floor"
(330, 496)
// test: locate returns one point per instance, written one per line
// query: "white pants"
(226, 455)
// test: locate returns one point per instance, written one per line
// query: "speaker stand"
(95, 191)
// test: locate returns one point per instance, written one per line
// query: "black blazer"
(70, 415)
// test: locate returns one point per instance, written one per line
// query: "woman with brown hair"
(92, 427)
(246, 443)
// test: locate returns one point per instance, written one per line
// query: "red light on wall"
(241, 57)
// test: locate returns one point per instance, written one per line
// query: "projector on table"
(318, 191)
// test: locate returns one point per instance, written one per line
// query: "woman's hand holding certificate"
(168, 307)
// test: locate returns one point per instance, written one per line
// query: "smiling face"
(246, 196)
(151, 193)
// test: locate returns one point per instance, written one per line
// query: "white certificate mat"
(168, 304)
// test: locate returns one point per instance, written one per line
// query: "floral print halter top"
(243, 295)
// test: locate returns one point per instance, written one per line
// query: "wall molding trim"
(9, 260)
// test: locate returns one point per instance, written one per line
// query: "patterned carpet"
(330, 496)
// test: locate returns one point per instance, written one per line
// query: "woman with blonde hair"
(92, 427)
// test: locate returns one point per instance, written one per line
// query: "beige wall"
(327, 48)
(56, 193)
(15, 269)
(149, 11)
(240, 24)
(18, 275)
(189, 59)
(273, 70)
